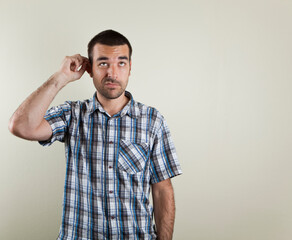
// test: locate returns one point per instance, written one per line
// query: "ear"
(89, 69)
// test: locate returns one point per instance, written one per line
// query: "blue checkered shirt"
(111, 161)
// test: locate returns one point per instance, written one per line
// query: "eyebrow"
(124, 57)
(106, 58)
(102, 58)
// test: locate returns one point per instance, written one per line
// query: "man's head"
(109, 38)
(109, 53)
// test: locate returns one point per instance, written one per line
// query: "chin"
(110, 95)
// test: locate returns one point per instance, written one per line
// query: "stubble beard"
(109, 93)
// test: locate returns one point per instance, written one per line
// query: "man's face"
(111, 69)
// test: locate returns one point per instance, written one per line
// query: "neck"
(112, 106)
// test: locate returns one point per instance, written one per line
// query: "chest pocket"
(132, 156)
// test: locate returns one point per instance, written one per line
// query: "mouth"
(111, 85)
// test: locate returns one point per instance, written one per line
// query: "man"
(117, 149)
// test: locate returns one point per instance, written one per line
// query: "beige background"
(219, 71)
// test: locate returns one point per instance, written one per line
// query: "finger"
(81, 71)
(78, 64)
(81, 61)
(74, 64)
(67, 62)
(85, 58)
(83, 68)
(87, 64)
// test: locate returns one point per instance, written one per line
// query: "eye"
(103, 64)
(122, 64)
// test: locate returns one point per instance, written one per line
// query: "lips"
(111, 85)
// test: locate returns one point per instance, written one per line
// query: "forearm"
(28, 120)
(164, 213)
(30, 113)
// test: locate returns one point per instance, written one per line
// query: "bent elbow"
(13, 127)
(17, 129)
(21, 129)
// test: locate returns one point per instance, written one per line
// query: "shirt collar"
(131, 108)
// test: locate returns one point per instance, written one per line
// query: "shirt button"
(110, 191)
(110, 167)
(111, 142)
(112, 217)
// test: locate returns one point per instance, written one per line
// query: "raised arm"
(164, 209)
(28, 120)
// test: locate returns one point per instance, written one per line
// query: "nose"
(112, 72)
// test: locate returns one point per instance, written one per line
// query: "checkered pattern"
(111, 163)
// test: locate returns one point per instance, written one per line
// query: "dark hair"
(109, 38)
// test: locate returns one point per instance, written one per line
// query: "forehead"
(100, 50)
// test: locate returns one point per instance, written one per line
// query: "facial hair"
(108, 93)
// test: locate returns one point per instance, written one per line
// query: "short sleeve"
(163, 158)
(59, 118)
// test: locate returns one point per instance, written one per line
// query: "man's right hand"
(28, 120)
(73, 67)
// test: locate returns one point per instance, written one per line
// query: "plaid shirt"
(111, 163)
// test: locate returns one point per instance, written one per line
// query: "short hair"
(109, 38)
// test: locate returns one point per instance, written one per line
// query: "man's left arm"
(164, 208)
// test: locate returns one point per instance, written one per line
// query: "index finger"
(78, 61)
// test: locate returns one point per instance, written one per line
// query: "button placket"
(111, 171)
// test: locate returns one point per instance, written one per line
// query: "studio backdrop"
(220, 73)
